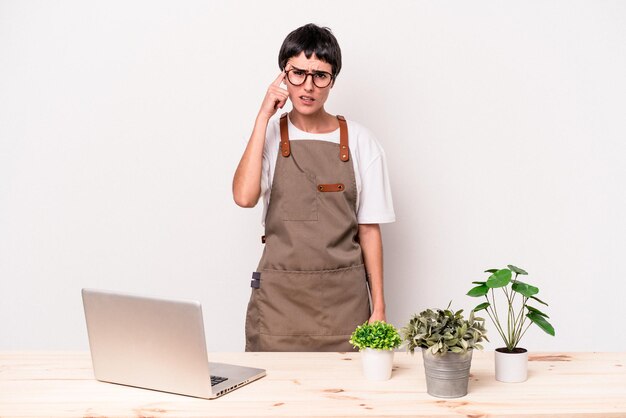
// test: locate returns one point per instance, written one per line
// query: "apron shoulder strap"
(285, 148)
(344, 149)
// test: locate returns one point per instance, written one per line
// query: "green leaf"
(537, 311)
(539, 300)
(491, 271)
(541, 322)
(377, 335)
(482, 306)
(517, 270)
(499, 279)
(525, 289)
(477, 291)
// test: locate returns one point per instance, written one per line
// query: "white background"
(121, 124)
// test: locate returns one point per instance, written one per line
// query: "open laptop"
(156, 344)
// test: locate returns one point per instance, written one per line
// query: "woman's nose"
(308, 83)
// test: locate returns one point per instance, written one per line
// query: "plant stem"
(506, 293)
(514, 280)
(525, 331)
(498, 327)
(496, 321)
(521, 319)
(493, 299)
(515, 319)
(510, 318)
(493, 302)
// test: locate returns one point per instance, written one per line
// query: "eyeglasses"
(297, 77)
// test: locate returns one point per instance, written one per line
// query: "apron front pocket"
(317, 303)
(345, 299)
(289, 303)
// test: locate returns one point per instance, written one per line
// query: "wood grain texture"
(61, 384)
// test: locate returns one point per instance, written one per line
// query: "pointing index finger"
(279, 79)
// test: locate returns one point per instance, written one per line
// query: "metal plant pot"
(447, 375)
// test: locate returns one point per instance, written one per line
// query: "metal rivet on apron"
(343, 156)
(321, 188)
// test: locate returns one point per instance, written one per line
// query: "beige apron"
(310, 290)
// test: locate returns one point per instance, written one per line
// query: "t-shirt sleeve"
(375, 202)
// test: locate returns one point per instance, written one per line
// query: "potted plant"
(511, 361)
(447, 341)
(376, 342)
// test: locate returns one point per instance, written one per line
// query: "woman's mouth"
(307, 99)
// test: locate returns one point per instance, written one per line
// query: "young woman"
(325, 191)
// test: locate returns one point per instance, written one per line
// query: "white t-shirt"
(374, 203)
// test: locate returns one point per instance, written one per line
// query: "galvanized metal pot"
(447, 375)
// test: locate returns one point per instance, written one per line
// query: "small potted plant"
(511, 361)
(376, 342)
(447, 341)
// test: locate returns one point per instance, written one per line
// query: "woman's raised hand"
(275, 98)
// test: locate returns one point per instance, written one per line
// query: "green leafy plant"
(516, 318)
(442, 331)
(378, 335)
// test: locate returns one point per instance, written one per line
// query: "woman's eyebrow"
(314, 71)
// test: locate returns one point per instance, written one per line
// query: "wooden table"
(60, 384)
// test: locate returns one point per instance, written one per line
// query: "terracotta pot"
(511, 366)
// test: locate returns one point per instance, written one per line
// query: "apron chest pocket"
(299, 202)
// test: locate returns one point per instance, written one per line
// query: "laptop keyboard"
(217, 379)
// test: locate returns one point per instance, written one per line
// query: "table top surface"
(61, 384)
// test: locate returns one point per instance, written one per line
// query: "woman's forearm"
(372, 246)
(247, 179)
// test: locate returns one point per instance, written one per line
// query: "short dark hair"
(311, 39)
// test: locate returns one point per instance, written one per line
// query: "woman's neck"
(318, 123)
